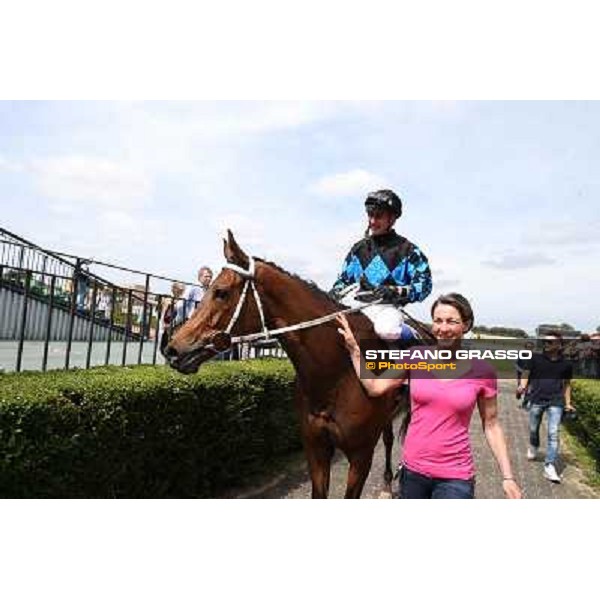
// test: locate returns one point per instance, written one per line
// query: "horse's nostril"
(170, 353)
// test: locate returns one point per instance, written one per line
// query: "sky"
(500, 196)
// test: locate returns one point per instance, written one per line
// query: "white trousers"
(387, 320)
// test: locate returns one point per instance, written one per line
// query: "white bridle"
(248, 275)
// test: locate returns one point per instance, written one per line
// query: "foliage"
(144, 431)
(501, 331)
(586, 398)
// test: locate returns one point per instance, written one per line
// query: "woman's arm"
(488, 411)
(373, 386)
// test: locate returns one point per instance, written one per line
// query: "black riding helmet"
(385, 199)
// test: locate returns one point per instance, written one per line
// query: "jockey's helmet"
(385, 199)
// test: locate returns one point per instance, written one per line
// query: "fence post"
(23, 320)
(113, 301)
(143, 323)
(127, 327)
(49, 322)
(91, 329)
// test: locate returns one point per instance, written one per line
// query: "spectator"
(194, 294)
(549, 390)
(173, 315)
(82, 278)
(105, 303)
(585, 356)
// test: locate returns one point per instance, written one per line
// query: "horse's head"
(226, 307)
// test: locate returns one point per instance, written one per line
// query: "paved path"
(294, 481)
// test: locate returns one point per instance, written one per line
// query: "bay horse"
(334, 409)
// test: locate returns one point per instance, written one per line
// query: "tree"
(501, 331)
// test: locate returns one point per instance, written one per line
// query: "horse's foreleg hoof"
(386, 492)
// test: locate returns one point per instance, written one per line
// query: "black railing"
(54, 309)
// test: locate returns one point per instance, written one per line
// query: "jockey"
(384, 265)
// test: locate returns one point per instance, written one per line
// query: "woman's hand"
(511, 490)
(345, 331)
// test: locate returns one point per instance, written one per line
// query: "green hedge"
(143, 432)
(586, 398)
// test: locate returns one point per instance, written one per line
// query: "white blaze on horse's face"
(228, 307)
(220, 304)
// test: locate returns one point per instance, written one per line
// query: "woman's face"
(448, 325)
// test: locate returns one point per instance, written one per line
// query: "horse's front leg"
(402, 403)
(319, 451)
(318, 445)
(388, 442)
(358, 471)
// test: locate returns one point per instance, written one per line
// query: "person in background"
(82, 282)
(173, 315)
(548, 386)
(194, 294)
(585, 356)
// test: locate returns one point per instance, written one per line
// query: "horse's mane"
(310, 284)
(326, 297)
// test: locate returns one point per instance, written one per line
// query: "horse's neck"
(314, 351)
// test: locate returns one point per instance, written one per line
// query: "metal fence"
(56, 313)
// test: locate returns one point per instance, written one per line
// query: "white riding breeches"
(387, 319)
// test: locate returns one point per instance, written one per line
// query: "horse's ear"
(233, 253)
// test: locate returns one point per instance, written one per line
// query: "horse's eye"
(220, 294)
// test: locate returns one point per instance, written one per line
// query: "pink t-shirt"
(437, 442)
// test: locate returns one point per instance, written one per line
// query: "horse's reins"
(249, 276)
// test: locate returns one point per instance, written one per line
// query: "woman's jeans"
(536, 412)
(414, 486)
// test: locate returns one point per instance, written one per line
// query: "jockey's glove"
(336, 293)
(388, 294)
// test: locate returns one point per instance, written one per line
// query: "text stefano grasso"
(436, 354)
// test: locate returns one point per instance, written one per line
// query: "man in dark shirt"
(548, 390)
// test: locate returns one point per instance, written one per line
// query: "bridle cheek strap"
(248, 275)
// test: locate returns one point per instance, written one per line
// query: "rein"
(265, 334)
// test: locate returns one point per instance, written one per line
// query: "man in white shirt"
(195, 293)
